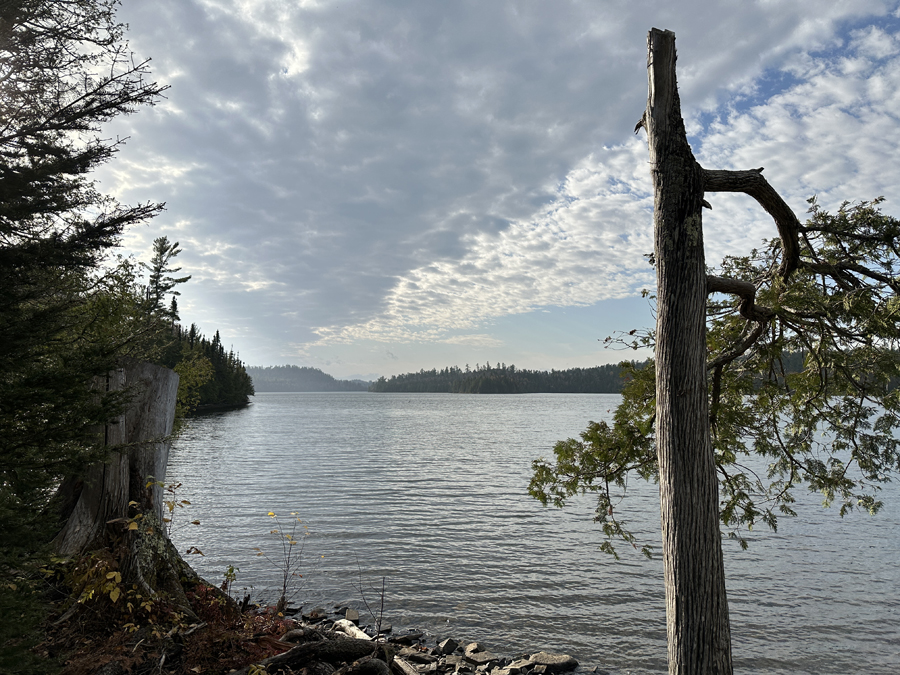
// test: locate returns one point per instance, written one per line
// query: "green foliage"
(24, 604)
(194, 370)
(811, 390)
(64, 71)
(160, 282)
(213, 376)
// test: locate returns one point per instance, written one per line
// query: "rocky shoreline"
(325, 643)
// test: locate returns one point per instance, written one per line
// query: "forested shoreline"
(503, 379)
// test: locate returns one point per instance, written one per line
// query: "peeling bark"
(697, 623)
(142, 433)
(696, 603)
(104, 500)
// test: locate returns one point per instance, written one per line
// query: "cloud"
(339, 171)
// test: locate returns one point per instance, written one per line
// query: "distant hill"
(300, 378)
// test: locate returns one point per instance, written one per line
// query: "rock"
(352, 615)
(453, 660)
(409, 638)
(519, 665)
(473, 647)
(539, 670)
(315, 616)
(484, 658)
(448, 646)
(368, 666)
(554, 663)
(427, 667)
(416, 656)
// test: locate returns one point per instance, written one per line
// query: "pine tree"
(64, 71)
(161, 282)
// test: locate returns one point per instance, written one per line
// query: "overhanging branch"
(752, 183)
(743, 289)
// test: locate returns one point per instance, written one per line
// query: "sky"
(373, 188)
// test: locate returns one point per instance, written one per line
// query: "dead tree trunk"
(696, 604)
(103, 493)
(107, 497)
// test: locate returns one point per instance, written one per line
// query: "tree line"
(503, 379)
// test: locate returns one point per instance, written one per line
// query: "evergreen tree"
(161, 282)
(64, 71)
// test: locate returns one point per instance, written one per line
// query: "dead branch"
(752, 183)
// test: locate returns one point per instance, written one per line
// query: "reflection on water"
(429, 491)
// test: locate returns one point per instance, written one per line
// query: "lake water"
(428, 491)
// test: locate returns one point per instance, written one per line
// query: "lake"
(429, 493)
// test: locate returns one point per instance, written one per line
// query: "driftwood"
(346, 650)
(351, 629)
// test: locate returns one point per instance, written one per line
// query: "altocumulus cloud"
(340, 172)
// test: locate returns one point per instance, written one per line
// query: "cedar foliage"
(810, 388)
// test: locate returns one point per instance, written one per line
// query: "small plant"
(230, 577)
(288, 563)
(171, 502)
(378, 618)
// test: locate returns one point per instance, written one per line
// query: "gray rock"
(416, 656)
(453, 660)
(448, 646)
(484, 658)
(554, 663)
(519, 665)
(352, 615)
(473, 647)
(539, 670)
(505, 671)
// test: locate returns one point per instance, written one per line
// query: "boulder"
(448, 646)
(553, 663)
(519, 665)
(453, 660)
(484, 658)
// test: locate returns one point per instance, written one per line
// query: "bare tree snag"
(697, 624)
(696, 603)
(108, 496)
(103, 493)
